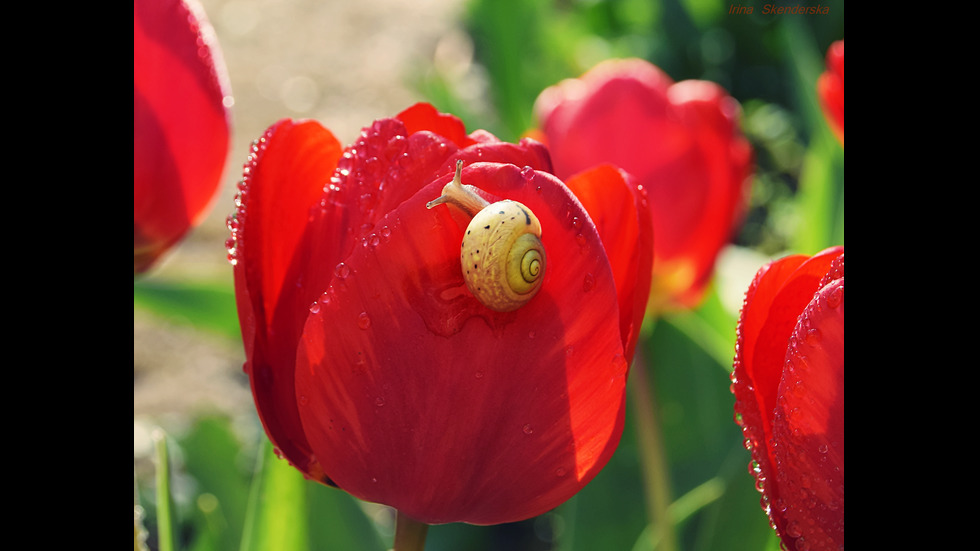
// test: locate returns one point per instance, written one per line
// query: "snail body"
(501, 256)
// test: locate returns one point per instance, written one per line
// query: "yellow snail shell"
(502, 258)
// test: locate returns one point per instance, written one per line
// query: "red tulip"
(373, 366)
(680, 140)
(788, 383)
(830, 89)
(181, 123)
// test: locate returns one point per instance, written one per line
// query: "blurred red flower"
(181, 123)
(680, 140)
(788, 383)
(372, 365)
(830, 89)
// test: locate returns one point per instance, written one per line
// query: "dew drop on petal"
(835, 297)
(560, 472)
(793, 529)
(363, 320)
(588, 283)
(528, 429)
(315, 307)
(341, 271)
(379, 401)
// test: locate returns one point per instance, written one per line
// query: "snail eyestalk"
(502, 257)
(456, 193)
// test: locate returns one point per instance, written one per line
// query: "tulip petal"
(617, 207)
(775, 298)
(415, 395)
(424, 117)
(181, 125)
(770, 314)
(682, 143)
(808, 426)
(283, 181)
(830, 89)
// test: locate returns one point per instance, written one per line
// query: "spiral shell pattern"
(502, 256)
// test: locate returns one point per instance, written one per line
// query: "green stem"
(165, 507)
(654, 461)
(409, 533)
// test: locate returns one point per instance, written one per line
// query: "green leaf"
(213, 455)
(821, 187)
(206, 305)
(286, 512)
(338, 520)
(277, 515)
(736, 521)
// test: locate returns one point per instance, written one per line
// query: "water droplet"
(386, 232)
(822, 448)
(813, 337)
(527, 172)
(793, 529)
(341, 271)
(372, 240)
(835, 297)
(363, 320)
(531, 334)
(569, 350)
(478, 374)
(303, 400)
(315, 307)
(576, 222)
(560, 472)
(527, 429)
(588, 283)
(379, 401)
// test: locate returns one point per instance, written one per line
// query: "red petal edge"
(283, 178)
(618, 208)
(808, 428)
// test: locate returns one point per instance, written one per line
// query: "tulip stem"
(653, 458)
(409, 533)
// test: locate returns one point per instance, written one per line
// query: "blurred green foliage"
(233, 494)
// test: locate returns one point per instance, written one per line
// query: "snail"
(501, 256)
